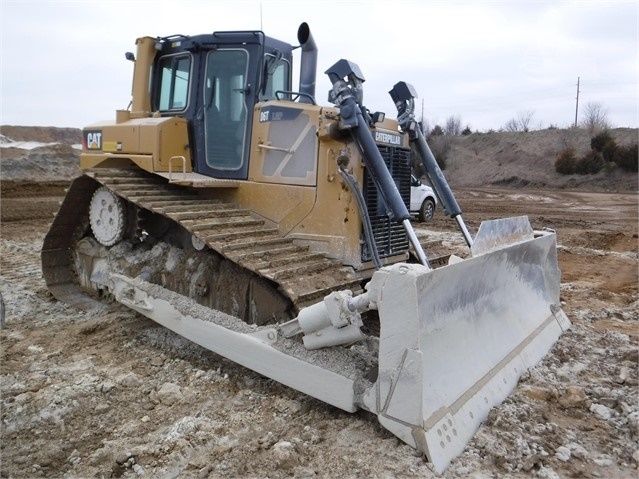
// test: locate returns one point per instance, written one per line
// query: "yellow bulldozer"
(233, 209)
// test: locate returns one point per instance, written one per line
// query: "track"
(269, 262)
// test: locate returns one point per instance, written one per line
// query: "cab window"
(276, 74)
(174, 74)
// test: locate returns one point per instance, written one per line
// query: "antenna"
(261, 27)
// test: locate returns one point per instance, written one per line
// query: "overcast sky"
(62, 62)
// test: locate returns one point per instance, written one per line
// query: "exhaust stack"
(308, 63)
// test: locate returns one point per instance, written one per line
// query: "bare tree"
(453, 125)
(524, 118)
(511, 125)
(521, 122)
(595, 118)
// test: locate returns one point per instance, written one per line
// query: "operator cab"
(214, 81)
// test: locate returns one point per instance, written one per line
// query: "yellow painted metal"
(141, 99)
(150, 143)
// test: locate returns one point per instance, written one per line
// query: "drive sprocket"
(107, 216)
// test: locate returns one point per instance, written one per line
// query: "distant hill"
(527, 159)
(505, 159)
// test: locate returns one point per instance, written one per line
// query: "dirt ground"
(111, 394)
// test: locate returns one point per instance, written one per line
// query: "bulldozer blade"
(454, 341)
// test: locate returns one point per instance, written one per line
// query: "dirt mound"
(518, 159)
(35, 153)
(57, 162)
(42, 134)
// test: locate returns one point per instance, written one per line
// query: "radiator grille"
(390, 237)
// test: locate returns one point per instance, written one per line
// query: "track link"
(230, 231)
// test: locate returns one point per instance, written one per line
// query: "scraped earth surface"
(111, 394)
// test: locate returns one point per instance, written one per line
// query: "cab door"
(224, 114)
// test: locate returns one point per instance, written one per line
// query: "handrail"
(294, 96)
(276, 148)
(183, 168)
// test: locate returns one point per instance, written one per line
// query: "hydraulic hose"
(366, 220)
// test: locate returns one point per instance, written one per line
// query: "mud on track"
(110, 394)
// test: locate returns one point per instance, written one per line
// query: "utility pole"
(577, 104)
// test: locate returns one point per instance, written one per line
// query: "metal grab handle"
(183, 167)
(276, 148)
